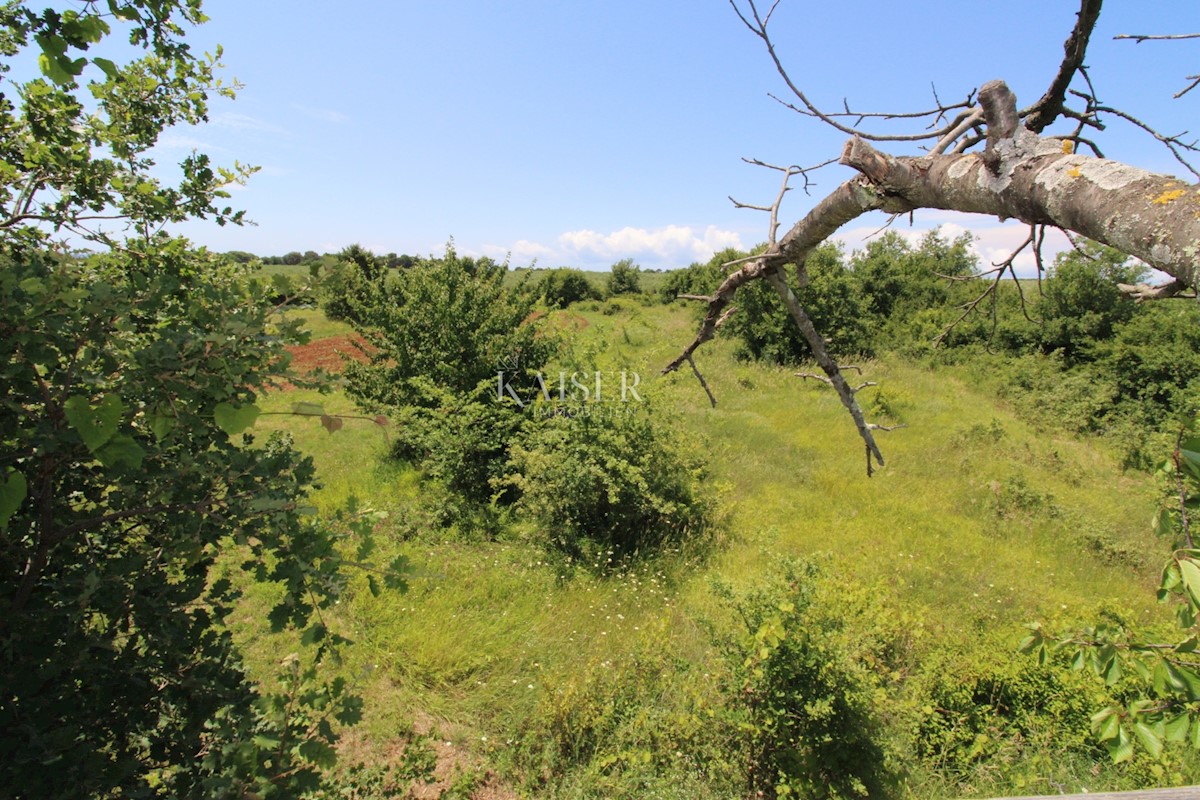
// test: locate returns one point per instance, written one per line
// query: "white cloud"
(672, 246)
(669, 247)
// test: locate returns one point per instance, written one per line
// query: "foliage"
(347, 282)
(832, 299)
(127, 475)
(72, 161)
(1166, 705)
(605, 481)
(128, 480)
(448, 322)
(450, 339)
(899, 281)
(562, 287)
(1081, 305)
(625, 278)
(698, 279)
(806, 709)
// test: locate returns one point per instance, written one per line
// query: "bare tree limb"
(703, 382)
(1049, 107)
(1139, 38)
(757, 24)
(1144, 291)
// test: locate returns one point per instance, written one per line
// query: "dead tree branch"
(1139, 38)
(1049, 107)
(757, 23)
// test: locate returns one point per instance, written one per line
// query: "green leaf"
(13, 490)
(1112, 671)
(235, 419)
(1189, 571)
(1189, 452)
(121, 450)
(162, 422)
(1105, 723)
(1120, 747)
(1148, 738)
(265, 742)
(1170, 575)
(110, 69)
(313, 634)
(94, 424)
(1176, 728)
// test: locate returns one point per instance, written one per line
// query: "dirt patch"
(457, 771)
(329, 353)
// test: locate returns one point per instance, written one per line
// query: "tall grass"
(979, 523)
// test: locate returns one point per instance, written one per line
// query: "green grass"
(978, 523)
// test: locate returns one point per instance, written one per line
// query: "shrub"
(609, 480)
(449, 323)
(806, 707)
(562, 287)
(832, 299)
(624, 278)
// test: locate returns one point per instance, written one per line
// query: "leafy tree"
(833, 299)
(698, 279)
(564, 286)
(1082, 304)
(899, 281)
(450, 322)
(128, 482)
(624, 278)
(449, 338)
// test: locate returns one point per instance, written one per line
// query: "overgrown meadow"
(830, 634)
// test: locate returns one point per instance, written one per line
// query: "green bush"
(625, 278)
(832, 298)
(807, 701)
(127, 384)
(450, 323)
(698, 279)
(604, 481)
(562, 287)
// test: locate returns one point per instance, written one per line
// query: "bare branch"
(703, 382)
(1139, 38)
(1041, 114)
(756, 23)
(816, 343)
(1143, 291)
(1173, 143)
(968, 121)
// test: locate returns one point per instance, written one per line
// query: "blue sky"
(579, 133)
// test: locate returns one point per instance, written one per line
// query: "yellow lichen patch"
(1168, 196)
(1170, 193)
(1068, 146)
(1074, 172)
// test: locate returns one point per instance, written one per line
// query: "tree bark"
(1023, 176)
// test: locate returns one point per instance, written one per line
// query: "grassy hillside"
(532, 681)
